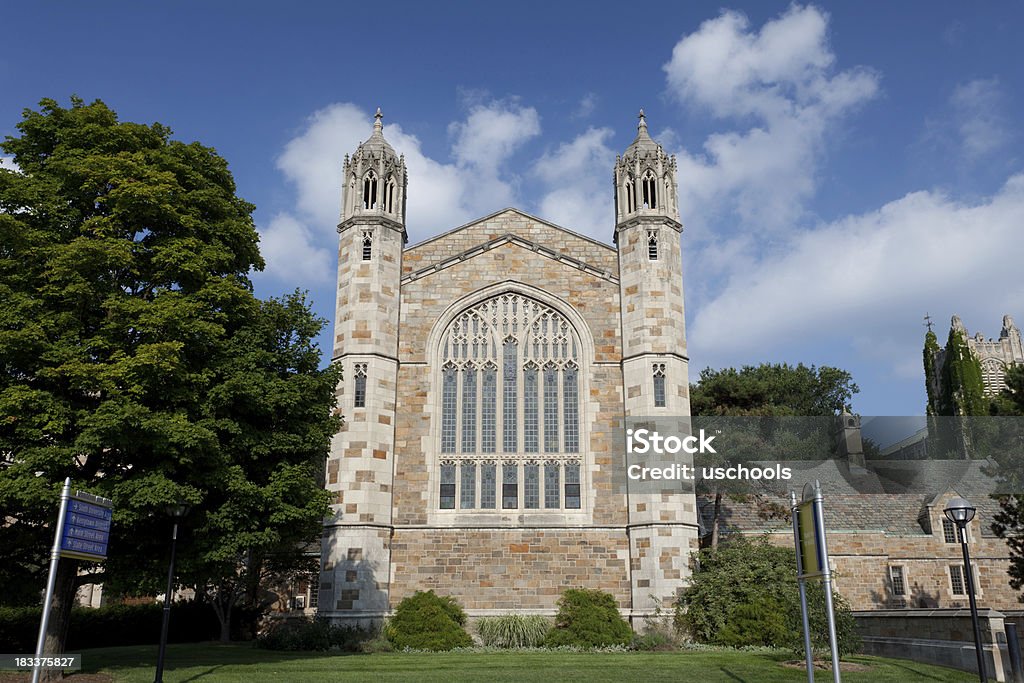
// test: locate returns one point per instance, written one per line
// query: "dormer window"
(652, 245)
(367, 245)
(650, 195)
(370, 190)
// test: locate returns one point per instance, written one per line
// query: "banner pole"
(52, 580)
(808, 652)
(819, 516)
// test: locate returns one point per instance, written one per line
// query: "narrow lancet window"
(370, 190)
(448, 485)
(367, 245)
(509, 372)
(489, 410)
(530, 412)
(488, 481)
(652, 245)
(630, 195)
(659, 385)
(469, 409)
(571, 412)
(467, 493)
(550, 409)
(389, 195)
(572, 486)
(448, 404)
(531, 485)
(509, 486)
(650, 194)
(360, 392)
(552, 485)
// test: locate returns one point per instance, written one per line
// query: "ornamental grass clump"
(513, 630)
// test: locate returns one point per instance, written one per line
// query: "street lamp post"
(961, 512)
(175, 512)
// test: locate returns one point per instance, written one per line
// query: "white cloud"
(440, 195)
(8, 163)
(977, 107)
(293, 254)
(576, 175)
(586, 106)
(777, 85)
(867, 279)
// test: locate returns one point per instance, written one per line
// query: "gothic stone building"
(484, 369)
(994, 355)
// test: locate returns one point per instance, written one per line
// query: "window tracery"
(510, 368)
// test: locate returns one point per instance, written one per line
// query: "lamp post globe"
(960, 511)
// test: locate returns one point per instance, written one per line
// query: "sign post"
(801, 581)
(82, 532)
(812, 563)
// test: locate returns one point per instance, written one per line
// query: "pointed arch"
(370, 190)
(649, 186)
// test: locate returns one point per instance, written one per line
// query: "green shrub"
(762, 622)
(311, 635)
(513, 630)
(296, 635)
(426, 621)
(588, 618)
(747, 591)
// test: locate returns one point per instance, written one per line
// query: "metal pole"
(1013, 651)
(167, 608)
(974, 605)
(51, 582)
(833, 640)
(808, 651)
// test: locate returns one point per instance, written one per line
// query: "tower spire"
(642, 126)
(378, 127)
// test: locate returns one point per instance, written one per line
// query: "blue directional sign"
(86, 529)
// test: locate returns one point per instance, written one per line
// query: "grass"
(239, 663)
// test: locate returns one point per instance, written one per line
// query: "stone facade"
(485, 371)
(994, 355)
(871, 534)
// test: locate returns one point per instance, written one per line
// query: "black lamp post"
(960, 512)
(175, 512)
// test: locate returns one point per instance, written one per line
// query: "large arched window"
(992, 374)
(509, 389)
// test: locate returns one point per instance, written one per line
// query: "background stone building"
(484, 371)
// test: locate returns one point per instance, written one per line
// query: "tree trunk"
(714, 520)
(223, 600)
(60, 615)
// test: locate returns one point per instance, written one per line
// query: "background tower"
(356, 552)
(662, 526)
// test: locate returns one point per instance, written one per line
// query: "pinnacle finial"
(377, 125)
(643, 121)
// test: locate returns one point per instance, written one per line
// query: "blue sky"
(842, 170)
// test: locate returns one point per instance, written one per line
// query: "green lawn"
(208, 663)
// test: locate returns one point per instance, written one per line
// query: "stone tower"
(662, 525)
(356, 552)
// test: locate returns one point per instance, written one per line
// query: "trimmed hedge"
(311, 635)
(588, 618)
(426, 621)
(114, 625)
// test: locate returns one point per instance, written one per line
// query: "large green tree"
(771, 390)
(135, 359)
